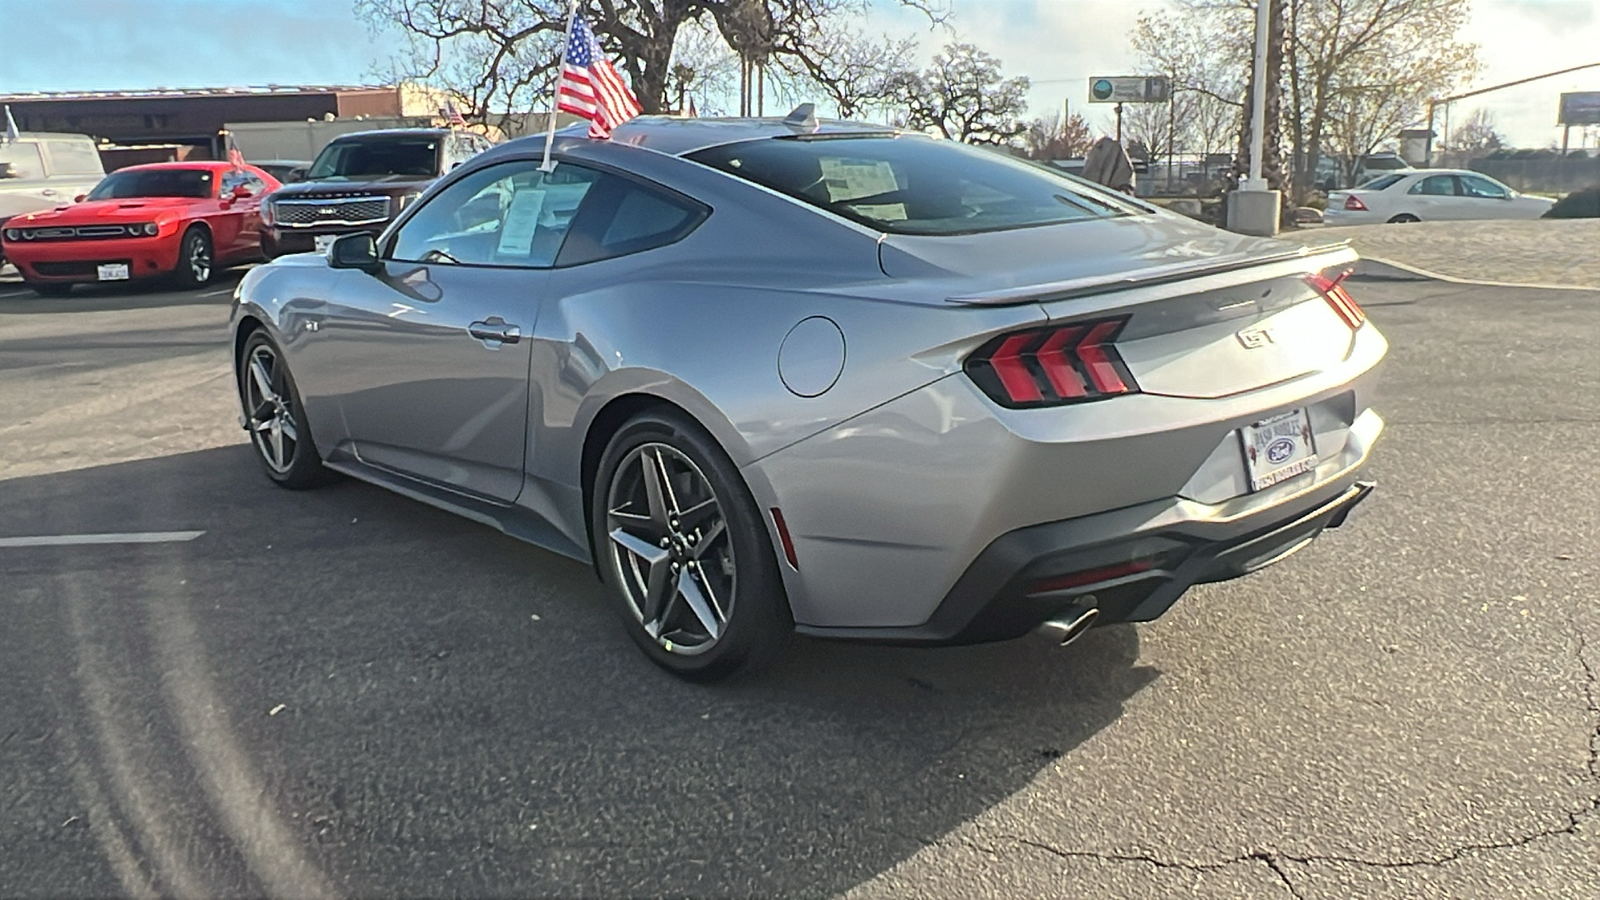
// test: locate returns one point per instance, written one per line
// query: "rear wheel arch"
(247, 326)
(605, 424)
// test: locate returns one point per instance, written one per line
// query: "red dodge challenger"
(184, 220)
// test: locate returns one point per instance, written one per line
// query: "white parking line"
(218, 292)
(137, 537)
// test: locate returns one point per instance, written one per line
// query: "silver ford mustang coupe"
(775, 376)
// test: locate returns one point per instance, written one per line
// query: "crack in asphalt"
(1591, 693)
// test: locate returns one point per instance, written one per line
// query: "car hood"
(1125, 247)
(132, 209)
(387, 184)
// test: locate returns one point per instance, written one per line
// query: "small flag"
(12, 134)
(692, 113)
(235, 157)
(590, 86)
(453, 115)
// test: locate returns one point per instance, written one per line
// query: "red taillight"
(1353, 202)
(1052, 366)
(1332, 290)
(1091, 576)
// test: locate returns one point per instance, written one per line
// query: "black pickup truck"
(360, 182)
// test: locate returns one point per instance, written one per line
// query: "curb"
(1388, 270)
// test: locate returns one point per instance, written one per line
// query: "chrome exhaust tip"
(1069, 626)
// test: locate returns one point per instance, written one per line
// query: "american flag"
(235, 157)
(453, 115)
(590, 85)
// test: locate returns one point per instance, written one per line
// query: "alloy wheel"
(200, 259)
(670, 549)
(267, 397)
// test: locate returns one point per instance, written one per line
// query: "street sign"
(1130, 89)
(1581, 108)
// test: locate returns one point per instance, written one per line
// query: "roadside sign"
(1581, 108)
(1130, 89)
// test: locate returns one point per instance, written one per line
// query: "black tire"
(735, 560)
(1404, 219)
(275, 417)
(50, 289)
(197, 259)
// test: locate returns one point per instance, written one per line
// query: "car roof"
(208, 164)
(678, 136)
(393, 132)
(53, 136)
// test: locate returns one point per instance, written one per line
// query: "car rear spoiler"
(1308, 259)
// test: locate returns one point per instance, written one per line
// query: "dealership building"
(144, 126)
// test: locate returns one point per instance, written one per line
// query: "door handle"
(495, 330)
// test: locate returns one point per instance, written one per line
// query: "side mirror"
(354, 251)
(80, 198)
(241, 192)
(298, 173)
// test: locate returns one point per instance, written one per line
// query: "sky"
(58, 45)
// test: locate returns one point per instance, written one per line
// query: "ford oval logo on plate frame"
(1280, 450)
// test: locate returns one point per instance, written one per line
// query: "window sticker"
(522, 220)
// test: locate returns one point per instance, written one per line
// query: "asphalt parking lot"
(345, 693)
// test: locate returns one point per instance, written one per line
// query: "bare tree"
(502, 55)
(1477, 134)
(1206, 65)
(1333, 54)
(1053, 137)
(963, 96)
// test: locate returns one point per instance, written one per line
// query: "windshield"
(153, 183)
(372, 157)
(911, 184)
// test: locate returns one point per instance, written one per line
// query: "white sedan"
(1429, 195)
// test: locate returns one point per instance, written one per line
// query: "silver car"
(776, 376)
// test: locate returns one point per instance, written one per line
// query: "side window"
(233, 178)
(510, 214)
(256, 185)
(73, 158)
(1474, 186)
(19, 160)
(1435, 185)
(622, 217)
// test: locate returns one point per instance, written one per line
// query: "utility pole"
(1253, 208)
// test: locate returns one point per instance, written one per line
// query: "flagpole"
(550, 136)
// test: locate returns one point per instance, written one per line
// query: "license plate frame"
(112, 272)
(1278, 448)
(321, 242)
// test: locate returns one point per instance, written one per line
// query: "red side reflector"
(1353, 202)
(783, 538)
(1091, 576)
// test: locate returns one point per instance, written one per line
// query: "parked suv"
(41, 170)
(360, 182)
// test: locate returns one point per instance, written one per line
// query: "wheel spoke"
(286, 425)
(658, 577)
(275, 437)
(708, 538)
(710, 620)
(692, 518)
(258, 374)
(654, 491)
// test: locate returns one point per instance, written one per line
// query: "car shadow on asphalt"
(426, 707)
(149, 294)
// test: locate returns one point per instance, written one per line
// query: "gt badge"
(1254, 338)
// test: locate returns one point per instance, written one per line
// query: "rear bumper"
(1034, 574)
(76, 262)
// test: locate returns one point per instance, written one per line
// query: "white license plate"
(1278, 449)
(113, 272)
(324, 241)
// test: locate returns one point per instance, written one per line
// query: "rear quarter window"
(909, 184)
